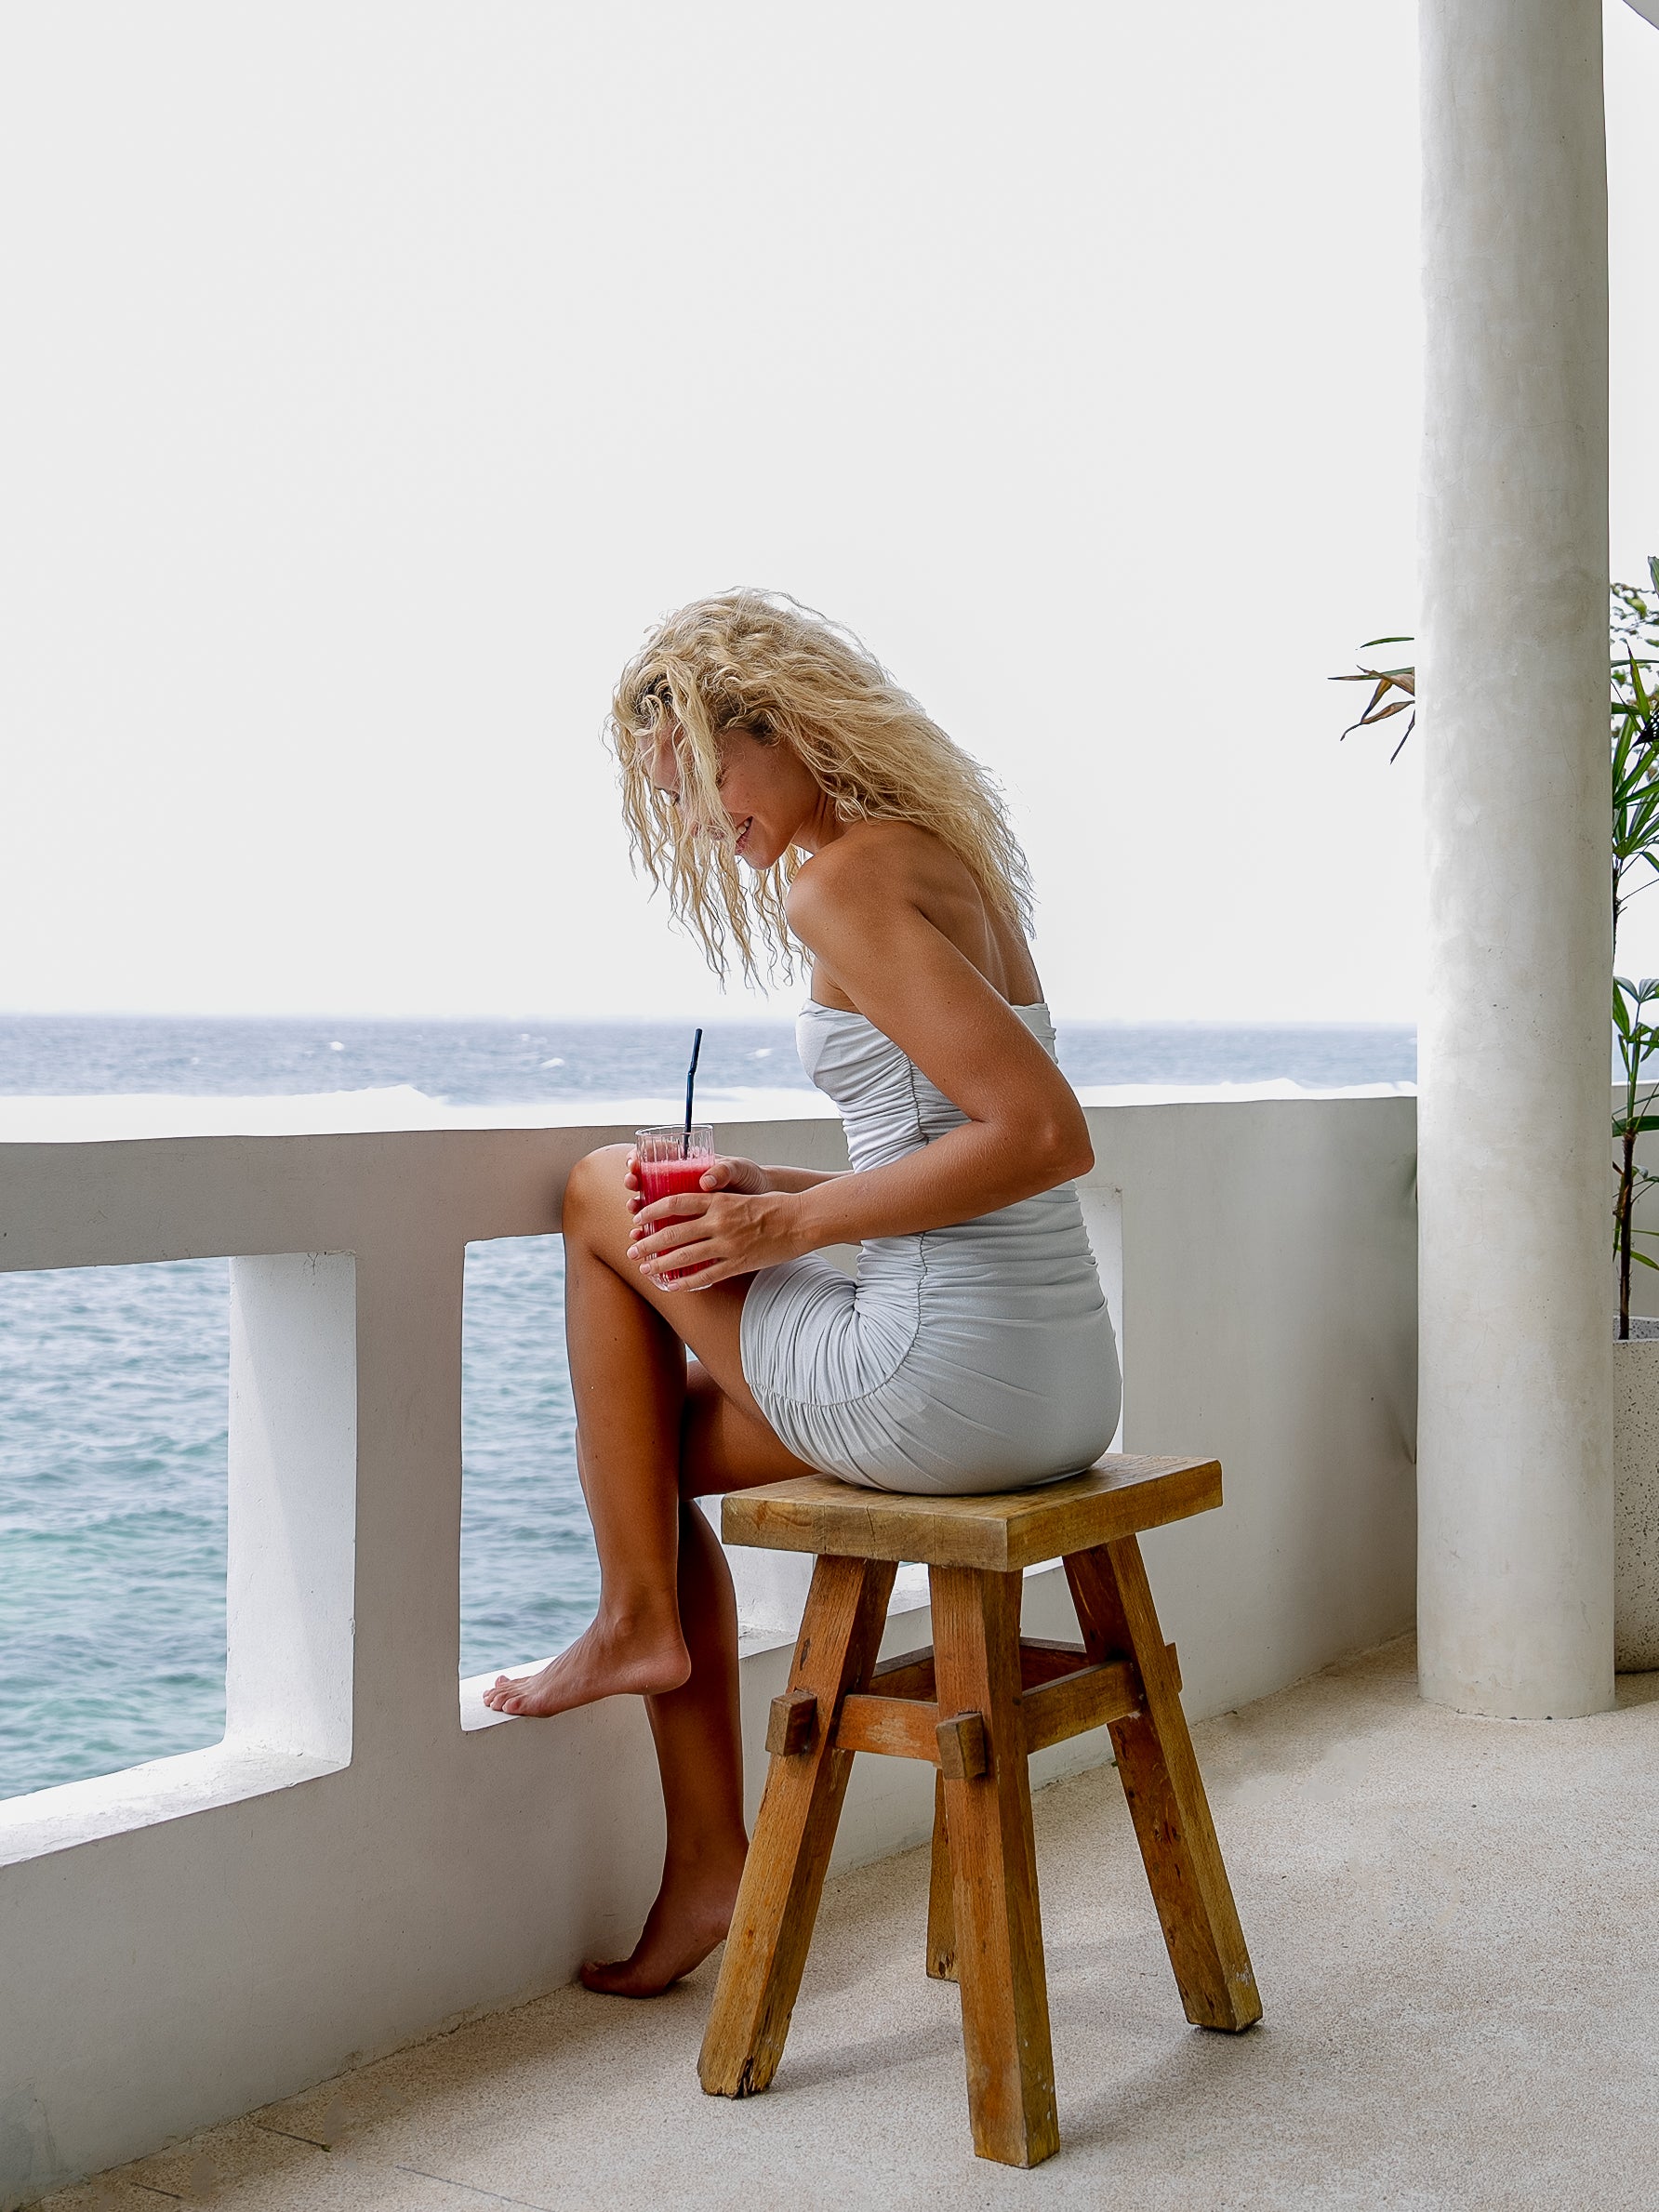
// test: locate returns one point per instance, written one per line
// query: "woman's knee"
(593, 1189)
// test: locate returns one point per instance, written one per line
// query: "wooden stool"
(976, 1706)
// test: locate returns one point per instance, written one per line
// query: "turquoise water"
(528, 1572)
(112, 1399)
(113, 1380)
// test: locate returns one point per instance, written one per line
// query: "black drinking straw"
(691, 1077)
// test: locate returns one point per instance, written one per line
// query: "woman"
(975, 1351)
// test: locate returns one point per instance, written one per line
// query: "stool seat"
(1003, 1531)
(975, 1706)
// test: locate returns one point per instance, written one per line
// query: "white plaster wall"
(350, 1869)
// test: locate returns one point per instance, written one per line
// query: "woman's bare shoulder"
(891, 859)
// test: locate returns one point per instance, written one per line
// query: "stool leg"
(783, 1876)
(993, 1861)
(1166, 1792)
(941, 1908)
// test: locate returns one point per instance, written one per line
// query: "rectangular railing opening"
(114, 1401)
(529, 1576)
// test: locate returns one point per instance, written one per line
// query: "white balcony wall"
(369, 1857)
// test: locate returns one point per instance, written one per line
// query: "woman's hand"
(725, 1174)
(701, 1238)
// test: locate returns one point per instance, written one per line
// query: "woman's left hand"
(701, 1238)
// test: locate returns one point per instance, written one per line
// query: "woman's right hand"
(725, 1174)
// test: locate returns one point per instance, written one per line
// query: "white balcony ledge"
(1452, 1922)
(192, 1940)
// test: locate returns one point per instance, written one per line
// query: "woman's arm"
(799, 1179)
(1025, 1132)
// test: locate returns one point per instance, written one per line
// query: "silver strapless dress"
(976, 1357)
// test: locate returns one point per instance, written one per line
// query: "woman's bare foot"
(691, 1915)
(605, 1662)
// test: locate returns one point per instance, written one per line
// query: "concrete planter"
(1635, 1500)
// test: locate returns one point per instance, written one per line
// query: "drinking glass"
(674, 1158)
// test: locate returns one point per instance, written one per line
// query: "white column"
(1514, 1560)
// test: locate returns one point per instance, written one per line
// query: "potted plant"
(1635, 1033)
(1633, 700)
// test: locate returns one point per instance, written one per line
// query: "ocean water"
(113, 1379)
(506, 1063)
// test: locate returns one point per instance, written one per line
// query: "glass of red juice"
(673, 1160)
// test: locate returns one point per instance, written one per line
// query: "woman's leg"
(700, 1748)
(650, 1440)
(637, 1451)
(627, 1378)
(699, 1755)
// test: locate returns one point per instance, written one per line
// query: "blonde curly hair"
(760, 662)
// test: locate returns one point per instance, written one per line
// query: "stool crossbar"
(975, 1706)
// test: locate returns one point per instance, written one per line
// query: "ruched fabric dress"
(971, 1359)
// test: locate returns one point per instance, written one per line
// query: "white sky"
(375, 372)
